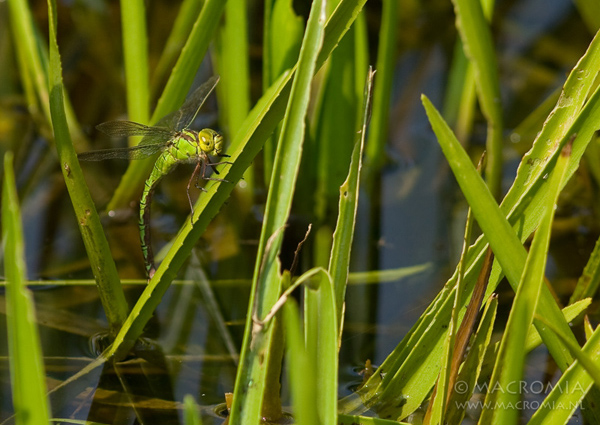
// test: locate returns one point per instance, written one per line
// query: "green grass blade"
(570, 312)
(266, 282)
(479, 47)
(321, 336)
(286, 29)
(558, 126)
(33, 63)
(333, 138)
(471, 368)
(28, 379)
(383, 276)
(460, 96)
(135, 51)
(588, 283)
(458, 84)
(267, 59)
(414, 371)
(509, 251)
(378, 134)
(585, 359)
(567, 394)
(283, 31)
(191, 415)
(173, 95)
(339, 262)
(364, 420)
(188, 13)
(526, 213)
(362, 60)
(414, 364)
(103, 266)
(189, 61)
(303, 386)
(33, 71)
(456, 340)
(234, 66)
(510, 361)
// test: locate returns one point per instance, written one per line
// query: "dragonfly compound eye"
(206, 139)
(218, 145)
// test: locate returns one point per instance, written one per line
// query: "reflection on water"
(187, 349)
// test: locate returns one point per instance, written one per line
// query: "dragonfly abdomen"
(163, 165)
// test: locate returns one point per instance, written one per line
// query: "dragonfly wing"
(152, 134)
(136, 152)
(126, 129)
(184, 116)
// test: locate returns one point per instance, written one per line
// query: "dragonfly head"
(210, 142)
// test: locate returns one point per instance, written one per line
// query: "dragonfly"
(176, 143)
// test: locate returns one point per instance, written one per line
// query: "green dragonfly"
(178, 144)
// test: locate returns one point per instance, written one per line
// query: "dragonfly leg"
(197, 184)
(194, 176)
(212, 165)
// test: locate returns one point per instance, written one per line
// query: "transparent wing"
(136, 152)
(152, 134)
(184, 116)
(130, 128)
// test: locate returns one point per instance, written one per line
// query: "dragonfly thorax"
(210, 142)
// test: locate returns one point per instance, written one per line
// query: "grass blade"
(234, 66)
(103, 266)
(588, 283)
(33, 72)
(282, 38)
(378, 135)
(192, 417)
(509, 367)
(33, 62)
(321, 336)
(364, 420)
(336, 119)
(188, 13)
(583, 358)
(471, 368)
(508, 249)
(303, 386)
(567, 394)
(570, 312)
(479, 47)
(413, 372)
(26, 366)
(135, 51)
(266, 282)
(339, 262)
